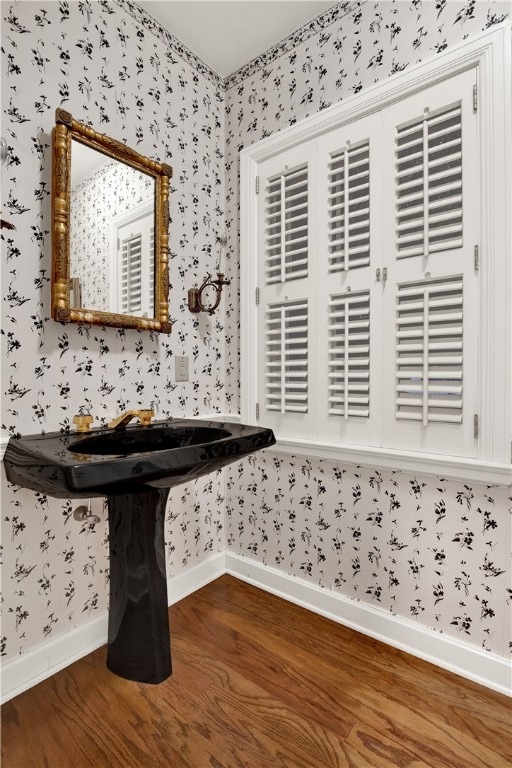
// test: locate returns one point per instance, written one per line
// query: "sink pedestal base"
(138, 621)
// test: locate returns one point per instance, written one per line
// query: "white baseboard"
(21, 673)
(196, 577)
(46, 659)
(458, 657)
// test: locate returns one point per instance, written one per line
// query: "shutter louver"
(349, 355)
(286, 379)
(286, 249)
(429, 184)
(429, 351)
(131, 275)
(349, 208)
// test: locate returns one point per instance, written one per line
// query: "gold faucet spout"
(144, 416)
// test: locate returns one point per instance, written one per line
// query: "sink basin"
(143, 440)
(106, 462)
(134, 468)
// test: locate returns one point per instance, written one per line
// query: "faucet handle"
(83, 422)
(145, 416)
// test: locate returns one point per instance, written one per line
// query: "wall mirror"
(110, 219)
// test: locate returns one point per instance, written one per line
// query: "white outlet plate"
(181, 368)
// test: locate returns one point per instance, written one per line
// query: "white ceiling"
(226, 34)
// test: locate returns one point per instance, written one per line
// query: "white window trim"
(490, 53)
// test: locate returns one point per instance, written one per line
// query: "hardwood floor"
(259, 683)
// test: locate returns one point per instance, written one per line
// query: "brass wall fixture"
(208, 303)
(195, 295)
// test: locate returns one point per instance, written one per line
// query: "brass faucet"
(121, 421)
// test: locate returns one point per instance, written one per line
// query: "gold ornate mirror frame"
(66, 129)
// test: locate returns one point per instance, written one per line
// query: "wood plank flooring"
(260, 683)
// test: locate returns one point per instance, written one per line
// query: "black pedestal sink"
(134, 468)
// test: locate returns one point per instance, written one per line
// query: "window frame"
(488, 52)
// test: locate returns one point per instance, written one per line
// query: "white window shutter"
(430, 352)
(287, 291)
(136, 266)
(131, 275)
(435, 272)
(349, 305)
(151, 273)
(367, 281)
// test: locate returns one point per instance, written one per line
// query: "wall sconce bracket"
(195, 300)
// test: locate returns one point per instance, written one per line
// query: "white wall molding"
(449, 653)
(23, 672)
(447, 467)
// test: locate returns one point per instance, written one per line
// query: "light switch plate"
(181, 368)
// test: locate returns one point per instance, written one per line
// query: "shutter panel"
(131, 275)
(394, 362)
(151, 273)
(287, 282)
(429, 184)
(349, 208)
(429, 351)
(349, 355)
(430, 300)
(286, 360)
(349, 159)
(286, 247)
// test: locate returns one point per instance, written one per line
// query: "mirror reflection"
(110, 231)
(112, 235)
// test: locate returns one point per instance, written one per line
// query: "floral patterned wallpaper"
(422, 548)
(108, 69)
